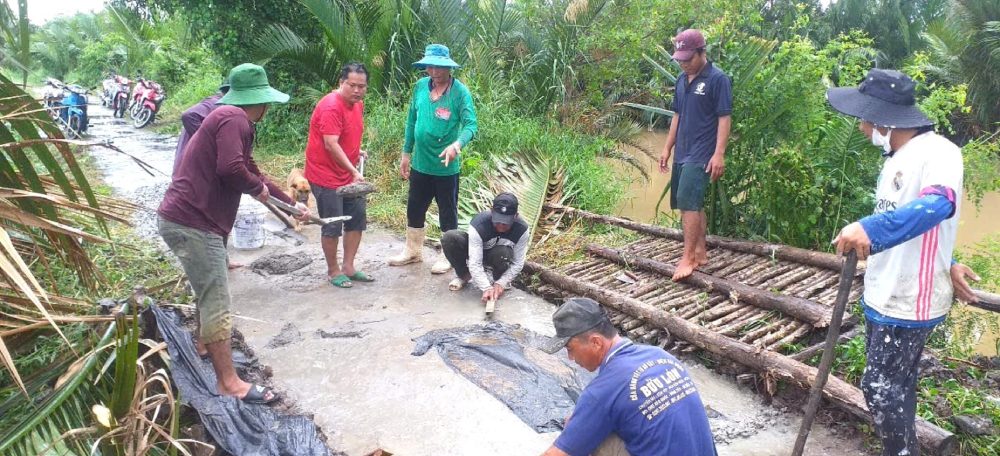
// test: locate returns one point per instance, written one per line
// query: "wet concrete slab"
(368, 392)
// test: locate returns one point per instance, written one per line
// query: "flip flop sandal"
(341, 281)
(456, 284)
(359, 276)
(257, 395)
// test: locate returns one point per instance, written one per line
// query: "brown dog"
(299, 190)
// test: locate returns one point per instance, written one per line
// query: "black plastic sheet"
(239, 428)
(505, 361)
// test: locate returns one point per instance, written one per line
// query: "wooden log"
(781, 252)
(803, 330)
(793, 277)
(933, 440)
(803, 309)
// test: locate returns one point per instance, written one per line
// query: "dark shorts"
(687, 186)
(330, 204)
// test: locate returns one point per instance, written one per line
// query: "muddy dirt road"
(344, 355)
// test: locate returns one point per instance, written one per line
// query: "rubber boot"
(413, 250)
(441, 266)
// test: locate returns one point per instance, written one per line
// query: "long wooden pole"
(781, 252)
(826, 362)
(811, 312)
(934, 440)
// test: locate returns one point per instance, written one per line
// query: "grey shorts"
(687, 186)
(330, 204)
(203, 257)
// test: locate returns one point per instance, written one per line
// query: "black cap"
(504, 208)
(574, 317)
(885, 98)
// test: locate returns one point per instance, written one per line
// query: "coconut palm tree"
(966, 50)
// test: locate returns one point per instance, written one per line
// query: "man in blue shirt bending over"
(641, 392)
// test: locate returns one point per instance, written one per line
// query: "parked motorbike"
(52, 96)
(108, 88)
(148, 104)
(73, 111)
(119, 102)
(138, 93)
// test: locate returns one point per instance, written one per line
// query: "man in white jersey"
(910, 237)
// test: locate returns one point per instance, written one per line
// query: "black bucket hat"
(885, 98)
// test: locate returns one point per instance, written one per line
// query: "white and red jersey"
(912, 280)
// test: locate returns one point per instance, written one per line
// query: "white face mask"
(882, 141)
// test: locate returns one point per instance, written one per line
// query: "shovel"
(829, 351)
(312, 218)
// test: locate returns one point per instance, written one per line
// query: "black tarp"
(505, 361)
(239, 428)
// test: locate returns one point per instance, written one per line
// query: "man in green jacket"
(442, 120)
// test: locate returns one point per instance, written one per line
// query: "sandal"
(341, 281)
(359, 276)
(457, 284)
(258, 395)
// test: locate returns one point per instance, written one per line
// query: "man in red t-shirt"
(333, 153)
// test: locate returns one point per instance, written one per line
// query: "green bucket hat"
(436, 55)
(248, 86)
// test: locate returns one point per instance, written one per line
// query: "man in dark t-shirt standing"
(641, 392)
(699, 132)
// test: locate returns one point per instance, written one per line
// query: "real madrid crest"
(897, 182)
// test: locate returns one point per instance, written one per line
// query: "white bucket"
(248, 231)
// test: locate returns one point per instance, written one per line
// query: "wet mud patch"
(345, 332)
(289, 334)
(280, 264)
(506, 361)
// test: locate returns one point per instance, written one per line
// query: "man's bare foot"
(683, 270)
(233, 265)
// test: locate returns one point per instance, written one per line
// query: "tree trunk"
(811, 312)
(781, 252)
(933, 440)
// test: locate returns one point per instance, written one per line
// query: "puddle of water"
(640, 204)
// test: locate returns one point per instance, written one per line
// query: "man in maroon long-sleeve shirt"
(200, 205)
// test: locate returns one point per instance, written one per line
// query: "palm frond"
(534, 180)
